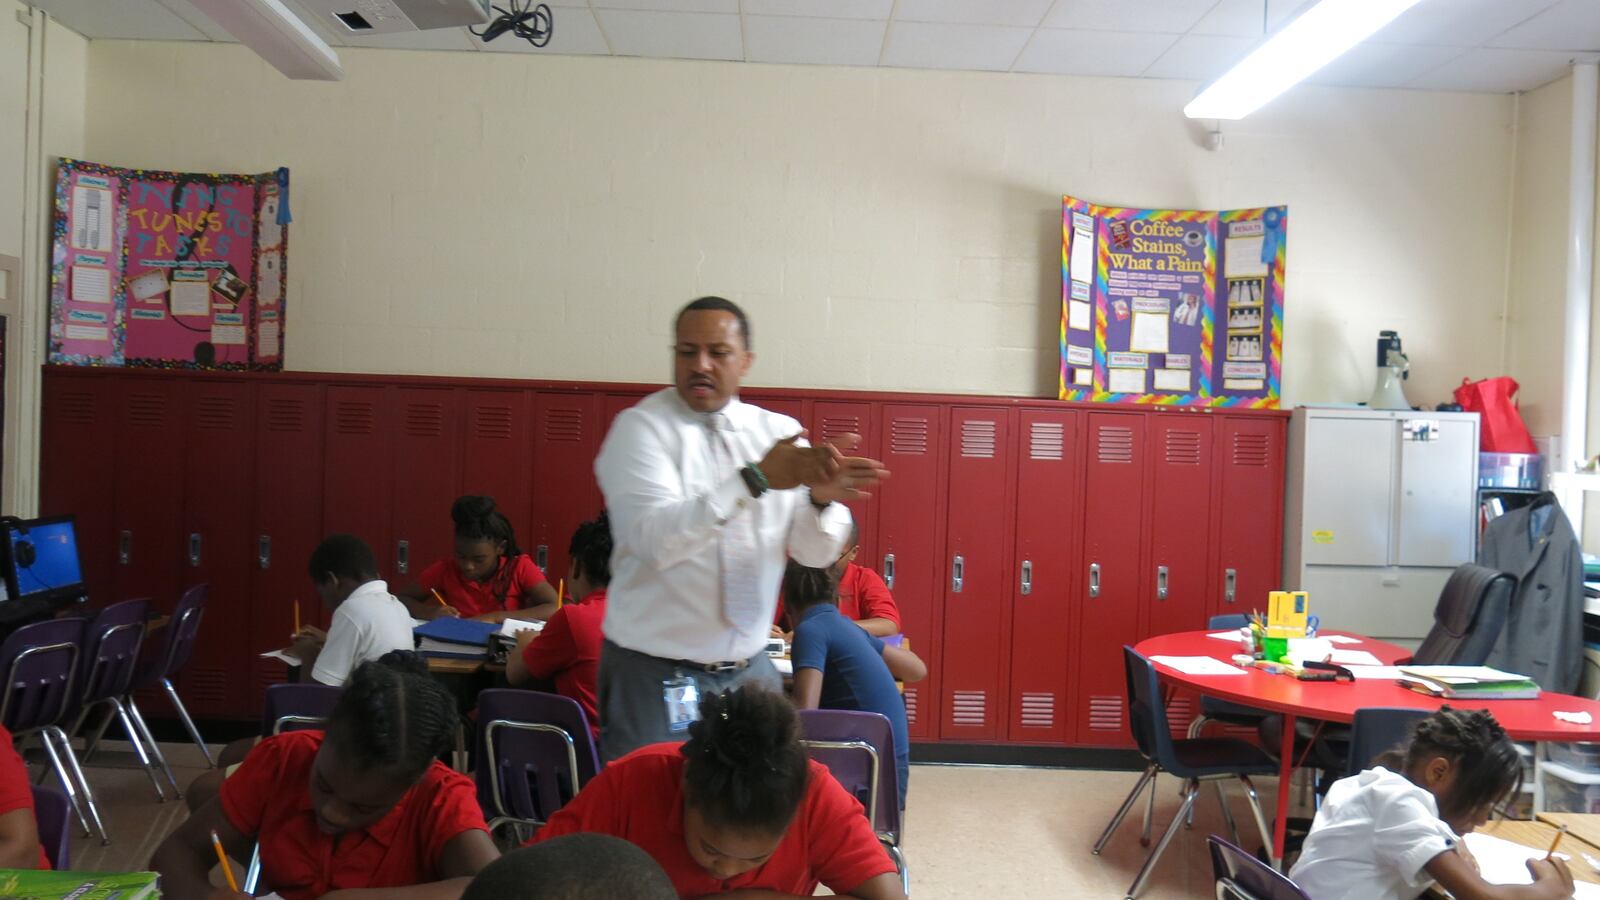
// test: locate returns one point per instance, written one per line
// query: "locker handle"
(958, 569)
(125, 547)
(264, 551)
(1161, 582)
(402, 553)
(541, 555)
(1230, 584)
(1094, 580)
(1027, 577)
(194, 549)
(888, 570)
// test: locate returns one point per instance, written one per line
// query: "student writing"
(740, 809)
(1389, 833)
(367, 620)
(363, 810)
(489, 578)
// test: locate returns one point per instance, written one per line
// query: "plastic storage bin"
(1583, 757)
(1510, 470)
(1561, 795)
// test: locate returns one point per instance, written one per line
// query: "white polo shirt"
(1371, 840)
(369, 623)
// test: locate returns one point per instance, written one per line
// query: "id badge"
(682, 699)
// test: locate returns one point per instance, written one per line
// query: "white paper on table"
(1303, 649)
(284, 655)
(510, 627)
(1342, 639)
(1235, 635)
(784, 666)
(1465, 674)
(1354, 658)
(1504, 862)
(1363, 673)
(1198, 665)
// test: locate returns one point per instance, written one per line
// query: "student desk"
(1523, 720)
(1583, 826)
(448, 666)
(1537, 835)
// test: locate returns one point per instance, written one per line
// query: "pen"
(1560, 833)
(222, 857)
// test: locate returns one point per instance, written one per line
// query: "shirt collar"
(598, 595)
(378, 586)
(732, 409)
(820, 609)
(381, 831)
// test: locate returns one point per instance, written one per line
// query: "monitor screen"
(54, 566)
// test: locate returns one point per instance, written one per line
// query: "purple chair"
(105, 673)
(50, 811)
(1241, 876)
(158, 668)
(41, 664)
(297, 707)
(535, 752)
(858, 748)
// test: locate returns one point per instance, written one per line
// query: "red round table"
(1524, 720)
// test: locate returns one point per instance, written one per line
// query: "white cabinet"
(1380, 509)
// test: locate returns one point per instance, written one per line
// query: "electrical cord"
(532, 23)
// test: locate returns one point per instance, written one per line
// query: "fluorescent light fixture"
(1313, 40)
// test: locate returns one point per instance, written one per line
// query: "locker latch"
(124, 547)
(1027, 577)
(264, 551)
(1161, 582)
(402, 553)
(1094, 580)
(1230, 584)
(888, 570)
(194, 549)
(958, 568)
(541, 555)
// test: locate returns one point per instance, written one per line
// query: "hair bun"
(471, 508)
(407, 661)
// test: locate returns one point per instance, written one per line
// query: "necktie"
(738, 550)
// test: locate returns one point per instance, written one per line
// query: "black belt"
(716, 668)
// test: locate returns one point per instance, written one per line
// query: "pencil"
(297, 617)
(222, 857)
(1560, 833)
(437, 597)
(561, 592)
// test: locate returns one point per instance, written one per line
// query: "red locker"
(1179, 567)
(1045, 575)
(148, 499)
(829, 420)
(792, 407)
(1249, 513)
(1114, 491)
(78, 470)
(288, 522)
(610, 406)
(218, 476)
(910, 512)
(976, 569)
(566, 439)
(426, 442)
(358, 470)
(498, 444)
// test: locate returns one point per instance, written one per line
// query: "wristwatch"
(754, 480)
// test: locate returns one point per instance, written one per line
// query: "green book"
(77, 885)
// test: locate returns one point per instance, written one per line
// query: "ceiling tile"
(1200, 57)
(1060, 51)
(831, 9)
(705, 6)
(670, 35)
(576, 32)
(432, 39)
(1568, 25)
(1171, 16)
(1458, 23)
(136, 20)
(918, 45)
(1493, 70)
(1382, 65)
(835, 42)
(1243, 18)
(1026, 13)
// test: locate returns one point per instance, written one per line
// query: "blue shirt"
(854, 675)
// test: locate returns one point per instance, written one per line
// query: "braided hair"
(591, 550)
(1488, 768)
(477, 519)
(805, 587)
(574, 867)
(746, 768)
(393, 716)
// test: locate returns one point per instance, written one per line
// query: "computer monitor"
(42, 560)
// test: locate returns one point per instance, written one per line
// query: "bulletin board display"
(1172, 307)
(168, 270)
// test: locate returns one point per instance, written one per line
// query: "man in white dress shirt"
(708, 498)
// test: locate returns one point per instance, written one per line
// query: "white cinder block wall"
(541, 216)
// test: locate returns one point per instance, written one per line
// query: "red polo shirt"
(16, 788)
(269, 798)
(640, 798)
(568, 650)
(516, 576)
(862, 595)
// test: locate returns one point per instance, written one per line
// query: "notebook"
(78, 885)
(456, 638)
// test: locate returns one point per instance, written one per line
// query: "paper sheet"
(1079, 356)
(784, 666)
(1342, 639)
(148, 285)
(87, 333)
(1149, 333)
(1234, 636)
(267, 339)
(1504, 862)
(510, 627)
(1198, 665)
(91, 284)
(228, 334)
(1125, 381)
(1354, 658)
(268, 278)
(1083, 377)
(190, 294)
(1078, 315)
(1172, 380)
(92, 223)
(1376, 673)
(1464, 674)
(1082, 262)
(284, 655)
(1244, 257)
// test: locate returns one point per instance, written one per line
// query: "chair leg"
(1261, 820)
(1127, 804)
(91, 744)
(1191, 789)
(1197, 725)
(900, 866)
(138, 746)
(150, 742)
(1149, 812)
(1227, 814)
(88, 792)
(183, 713)
(67, 784)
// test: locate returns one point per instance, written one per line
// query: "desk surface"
(1583, 826)
(449, 666)
(1539, 835)
(1524, 720)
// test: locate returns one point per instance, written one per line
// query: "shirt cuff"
(729, 498)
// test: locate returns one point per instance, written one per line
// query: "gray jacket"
(1543, 636)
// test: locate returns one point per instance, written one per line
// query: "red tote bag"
(1495, 402)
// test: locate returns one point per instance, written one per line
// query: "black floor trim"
(1027, 755)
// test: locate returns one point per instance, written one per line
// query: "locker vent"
(353, 417)
(215, 413)
(969, 708)
(76, 408)
(1183, 448)
(911, 704)
(1038, 710)
(1251, 450)
(1046, 440)
(1105, 713)
(147, 410)
(1114, 444)
(273, 672)
(977, 439)
(833, 426)
(492, 422)
(1180, 712)
(424, 420)
(909, 436)
(285, 415)
(205, 688)
(564, 425)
